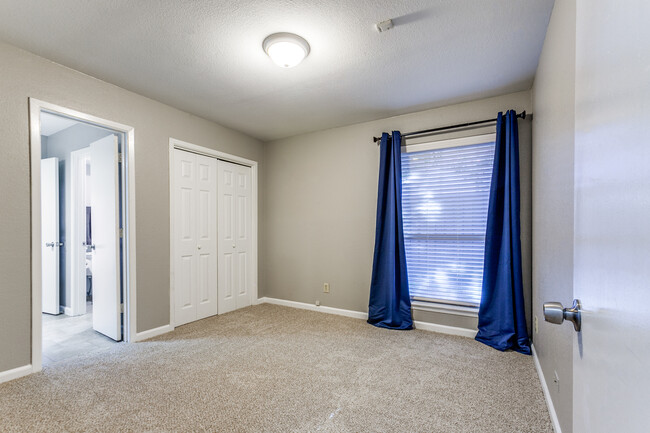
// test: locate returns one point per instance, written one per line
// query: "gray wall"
(553, 180)
(60, 145)
(320, 194)
(25, 75)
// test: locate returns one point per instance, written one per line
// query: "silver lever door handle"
(50, 244)
(89, 247)
(555, 313)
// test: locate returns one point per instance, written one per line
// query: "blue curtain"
(501, 317)
(390, 304)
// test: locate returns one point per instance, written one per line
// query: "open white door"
(50, 234)
(611, 380)
(104, 181)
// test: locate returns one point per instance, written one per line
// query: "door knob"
(555, 313)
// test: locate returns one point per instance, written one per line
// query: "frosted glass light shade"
(286, 49)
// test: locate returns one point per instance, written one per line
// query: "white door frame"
(128, 208)
(189, 147)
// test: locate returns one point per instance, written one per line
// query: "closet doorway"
(213, 211)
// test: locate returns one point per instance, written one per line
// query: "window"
(445, 195)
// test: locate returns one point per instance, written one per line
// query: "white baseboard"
(66, 310)
(311, 307)
(547, 394)
(15, 373)
(425, 326)
(144, 335)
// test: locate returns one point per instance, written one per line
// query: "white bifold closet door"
(235, 245)
(195, 236)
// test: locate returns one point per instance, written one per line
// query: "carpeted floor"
(275, 369)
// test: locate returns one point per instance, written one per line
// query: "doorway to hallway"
(81, 223)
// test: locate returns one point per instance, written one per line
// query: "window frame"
(440, 306)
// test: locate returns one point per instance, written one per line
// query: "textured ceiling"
(205, 57)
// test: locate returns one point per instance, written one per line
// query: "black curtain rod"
(521, 115)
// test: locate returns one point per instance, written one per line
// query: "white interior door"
(79, 162)
(235, 242)
(612, 217)
(50, 234)
(195, 237)
(104, 180)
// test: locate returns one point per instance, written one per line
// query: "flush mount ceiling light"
(286, 49)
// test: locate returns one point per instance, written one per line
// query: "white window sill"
(444, 308)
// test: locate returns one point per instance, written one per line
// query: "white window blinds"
(445, 194)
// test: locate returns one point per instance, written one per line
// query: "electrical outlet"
(536, 325)
(326, 287)
(317, 303)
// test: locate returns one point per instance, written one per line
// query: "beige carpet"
(276, 369)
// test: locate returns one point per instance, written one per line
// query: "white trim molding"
(313, 307)
(128, 178)
(145, 335)
(423, 326)
(15, 373)
(547, 394)
(189, 147)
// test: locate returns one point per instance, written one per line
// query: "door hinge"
(119, 158)
(121, 233)
(121, 308)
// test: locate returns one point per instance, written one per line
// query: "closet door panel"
(227, 266)
(185, 240)
(243, 236)
(235, 229)
(206, 222)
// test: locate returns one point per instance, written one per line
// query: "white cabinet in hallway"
(195, 236)
(235, 242)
